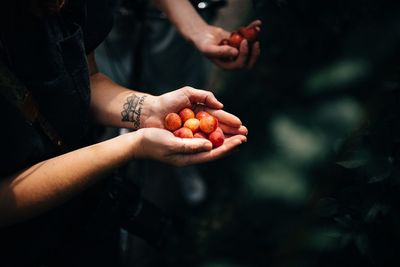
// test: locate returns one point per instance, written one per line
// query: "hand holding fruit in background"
(244, 54)
(250, 34)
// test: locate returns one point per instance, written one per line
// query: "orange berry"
(192, 124)
(183, 133)
(208, 124)
(172, 122)
(200, 135)
(202, 114)
(186, 114)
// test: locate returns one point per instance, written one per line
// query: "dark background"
(317, 183)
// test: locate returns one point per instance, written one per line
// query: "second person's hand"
(208, 39)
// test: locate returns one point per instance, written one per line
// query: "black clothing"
(48, 54)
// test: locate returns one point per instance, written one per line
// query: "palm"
(212, 36)
(170, 102)
(198, 100)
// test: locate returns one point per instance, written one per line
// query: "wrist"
(151, 106)
(136, 110)
(193, 31)
(134, 141)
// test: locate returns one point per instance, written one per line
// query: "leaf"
(375, 210)
(345, 221)
(352, 164)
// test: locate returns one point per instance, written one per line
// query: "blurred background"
(317, 183)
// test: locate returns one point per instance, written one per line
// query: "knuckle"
(219, 30)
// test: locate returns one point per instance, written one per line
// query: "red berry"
(235, 40)
(217, 138)
(184, 133)
(250, 33)
(202, 114)
(200, 135)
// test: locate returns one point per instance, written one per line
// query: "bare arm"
(52, 182)
(183, 15)
(117, 106)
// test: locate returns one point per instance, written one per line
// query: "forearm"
(183, 15)
(117, 106)
(54, 181)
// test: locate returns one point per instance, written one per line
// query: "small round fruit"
(202, 114)
(216, 138)
(219, 130)
(250, 33)
(235, 40)
(186, 114)
(183, 133)
(172, 122)
(208, 124)
(200, 135)
(192, 124)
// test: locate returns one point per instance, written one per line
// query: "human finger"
(255, 23)
(228, 130)
(225, 117)
(255, 54)
(229, 145)
(190, 145)
(203, 97)
(220, 51)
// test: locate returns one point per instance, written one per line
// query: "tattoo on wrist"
(132, 109)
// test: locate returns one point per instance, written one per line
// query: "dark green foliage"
(317, 184)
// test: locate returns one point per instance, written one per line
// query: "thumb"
(221, 51)
(192, 145)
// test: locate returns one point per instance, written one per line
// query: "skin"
(48, 184)
(206, 38)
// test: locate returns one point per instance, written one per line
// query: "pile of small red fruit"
(248, 33)
(187, 124)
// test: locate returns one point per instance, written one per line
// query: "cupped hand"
(188, 97)
(208, 39)
(162, 145)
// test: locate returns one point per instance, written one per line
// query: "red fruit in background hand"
(200, 135)
(249, 33)
(184, 133)
(217, 138)
(192, 124)
(235, 39)
(202, 114)
(208, 124)
(186, 114)
(172, 122)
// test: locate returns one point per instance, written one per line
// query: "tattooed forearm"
(132, 110)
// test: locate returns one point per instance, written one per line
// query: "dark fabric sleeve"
(99, 21)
